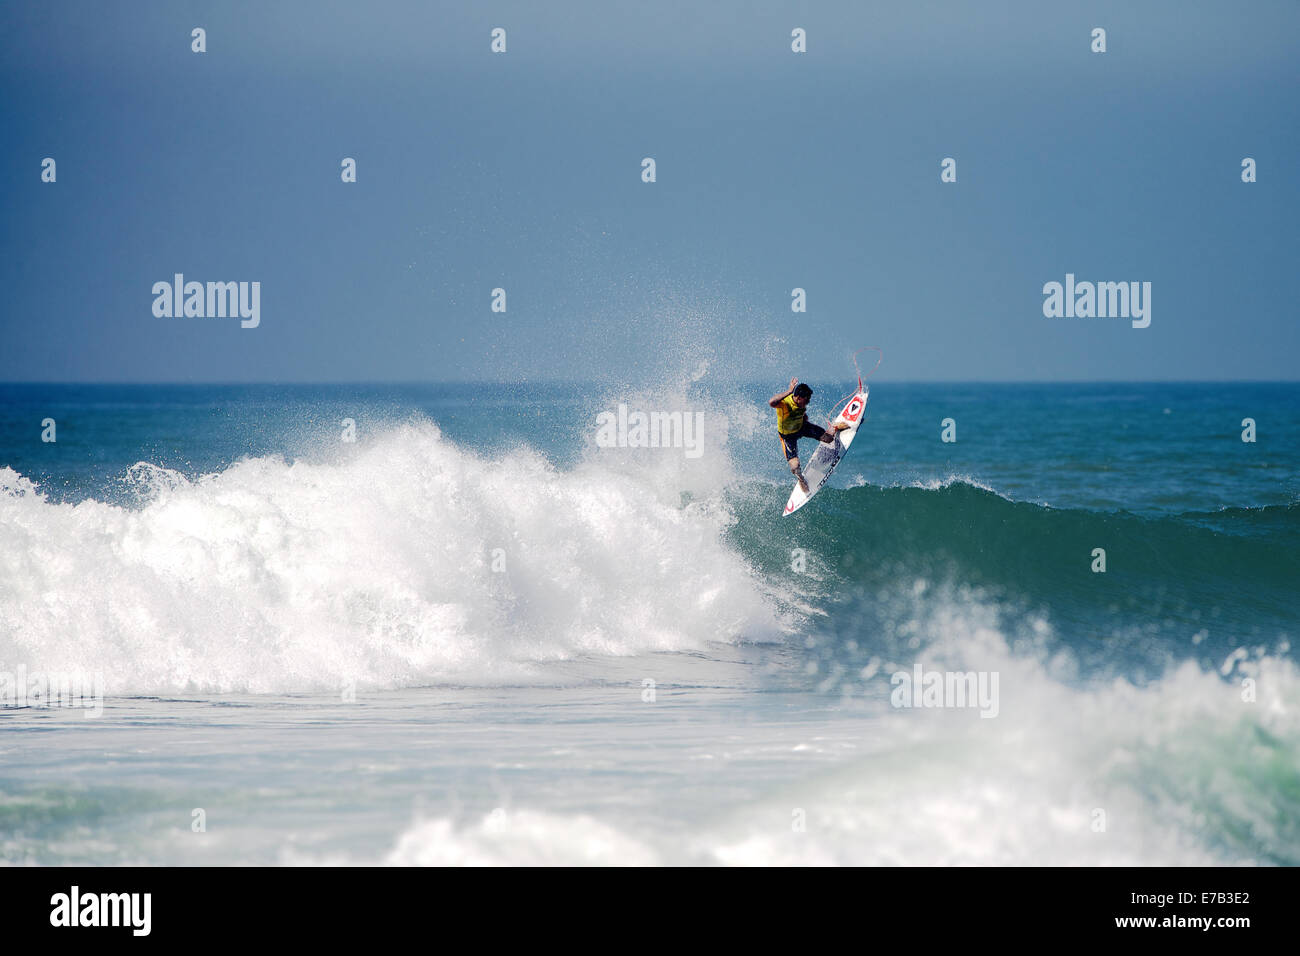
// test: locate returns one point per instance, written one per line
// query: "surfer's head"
(801, 394)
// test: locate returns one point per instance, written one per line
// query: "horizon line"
(637, 384)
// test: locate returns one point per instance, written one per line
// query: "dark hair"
(802, 391)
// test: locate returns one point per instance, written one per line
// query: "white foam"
(1186, 770)
(1182, 771)
(939, 484)
(1116, 775)
(376, 568)
(522, 838)
(927, 484)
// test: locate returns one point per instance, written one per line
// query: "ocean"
(475, 634)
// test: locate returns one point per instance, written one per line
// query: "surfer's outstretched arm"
(776, 400)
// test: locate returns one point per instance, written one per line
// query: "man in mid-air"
(792, 424)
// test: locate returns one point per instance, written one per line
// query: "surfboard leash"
(879, 358)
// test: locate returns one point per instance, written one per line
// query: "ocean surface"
(477, 635)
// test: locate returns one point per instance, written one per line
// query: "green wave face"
(1195, 586)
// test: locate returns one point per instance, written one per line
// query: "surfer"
(792, 424)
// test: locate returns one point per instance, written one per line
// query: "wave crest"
(406, 561)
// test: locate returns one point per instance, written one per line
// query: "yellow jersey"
(789, 416)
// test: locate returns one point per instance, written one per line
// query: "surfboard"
(828, 454)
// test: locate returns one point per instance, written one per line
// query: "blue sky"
(522, 170)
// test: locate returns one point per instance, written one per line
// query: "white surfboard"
(828, 454)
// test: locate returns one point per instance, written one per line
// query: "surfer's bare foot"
(803, 483)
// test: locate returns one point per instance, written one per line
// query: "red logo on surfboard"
(852, 410)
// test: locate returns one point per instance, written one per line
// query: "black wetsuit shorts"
(791, 442)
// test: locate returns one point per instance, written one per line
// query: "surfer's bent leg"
(790, 445)
(814, 431)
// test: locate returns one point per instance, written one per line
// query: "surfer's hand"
(793, 382)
